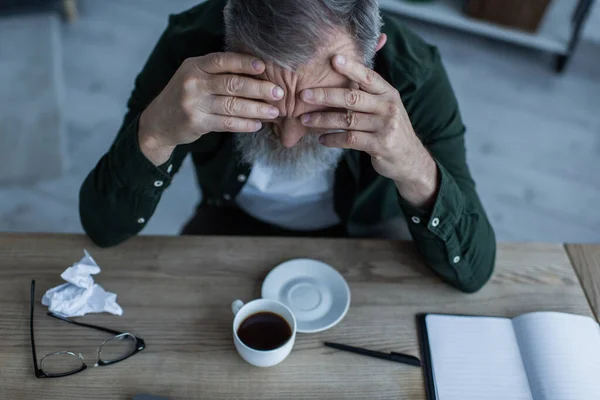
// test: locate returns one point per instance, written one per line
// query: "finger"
(220, 123)
(356, 140)
(243, 86)
(368, 80)
(244, 108)
(219, 63)
(338, 120)
(351, 99)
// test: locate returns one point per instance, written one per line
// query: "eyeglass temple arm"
(35, 364)
(99, 328)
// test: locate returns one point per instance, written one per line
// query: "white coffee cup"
(262, 358)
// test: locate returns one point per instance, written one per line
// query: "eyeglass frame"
(140, 344)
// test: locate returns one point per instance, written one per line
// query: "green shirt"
(455, 237)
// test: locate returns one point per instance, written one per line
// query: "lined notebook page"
(561, 354)
(476, 358)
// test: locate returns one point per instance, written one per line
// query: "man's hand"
(377, 123)
(207, 94)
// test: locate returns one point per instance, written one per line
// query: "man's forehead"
(317, 72)
(311, 75)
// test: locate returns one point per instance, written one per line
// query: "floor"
(34, 61)
(533, 136)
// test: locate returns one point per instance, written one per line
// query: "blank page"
(476, 358)
(561, 353)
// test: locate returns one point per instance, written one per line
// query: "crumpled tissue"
(81, 295)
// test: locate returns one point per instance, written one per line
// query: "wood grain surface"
(176, 294)
(586, 262)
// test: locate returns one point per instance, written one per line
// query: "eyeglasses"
(64, 363)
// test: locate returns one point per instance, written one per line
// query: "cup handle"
(236, 306)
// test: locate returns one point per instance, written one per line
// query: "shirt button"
(456, 259)
(169, 168)
(241, 178)
(227, 196)
(435, 222)
(158, 183)
(416, 220)
(141, 220)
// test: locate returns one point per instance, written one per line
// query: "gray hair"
(303, 160)
(291, 32)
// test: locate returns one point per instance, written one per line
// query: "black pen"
(396, 357)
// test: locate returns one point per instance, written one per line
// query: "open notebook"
(537, 356)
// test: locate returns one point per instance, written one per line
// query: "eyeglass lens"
(117, 348)
(60, 363)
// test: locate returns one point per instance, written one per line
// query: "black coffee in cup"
(264, 331)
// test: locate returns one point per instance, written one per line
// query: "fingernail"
(257, 125)
(307, 94)
(305, 118)
(277, 92)
(321, 139)
(273, 112)
(256, 64)
(340, 60)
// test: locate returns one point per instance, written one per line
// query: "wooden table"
(176, 294)
(586, 261)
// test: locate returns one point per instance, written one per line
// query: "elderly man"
(302, 117)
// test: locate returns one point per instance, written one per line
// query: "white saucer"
(316, 293)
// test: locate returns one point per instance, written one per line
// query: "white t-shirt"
(303, 204)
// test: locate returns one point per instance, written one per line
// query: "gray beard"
(304, 160)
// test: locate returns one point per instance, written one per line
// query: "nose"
(292, 131)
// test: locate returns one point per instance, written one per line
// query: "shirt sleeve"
(120, 194)
(455, 237)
